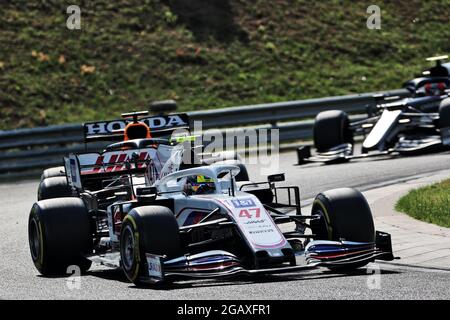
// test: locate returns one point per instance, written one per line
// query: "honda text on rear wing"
(116, 130)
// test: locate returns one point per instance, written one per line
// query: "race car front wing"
(221, 264)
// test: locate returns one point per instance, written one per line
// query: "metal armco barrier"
(26, 149)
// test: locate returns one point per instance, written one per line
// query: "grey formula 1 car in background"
(409, 126)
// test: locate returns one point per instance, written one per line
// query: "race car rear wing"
(96, 165)
(113, 130)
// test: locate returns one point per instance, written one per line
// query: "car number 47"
(250, 213)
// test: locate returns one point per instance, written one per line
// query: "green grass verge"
(204, 54)
(430, 204)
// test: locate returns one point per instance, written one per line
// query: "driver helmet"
(201, 184)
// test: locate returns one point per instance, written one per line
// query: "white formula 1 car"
(200, 223)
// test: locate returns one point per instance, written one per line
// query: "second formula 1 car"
(140, 138)
(409, 126)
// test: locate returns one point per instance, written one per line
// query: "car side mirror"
(279, 177)
(146, 194)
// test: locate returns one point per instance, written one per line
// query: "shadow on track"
(375, 158)
(239, 280)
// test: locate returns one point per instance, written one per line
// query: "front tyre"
(444, 121)
(444, 113)
(151, 229)
(344, 215)
(331, 129)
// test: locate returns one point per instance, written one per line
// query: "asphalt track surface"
(20, 280)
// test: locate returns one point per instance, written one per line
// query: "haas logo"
(116, 161)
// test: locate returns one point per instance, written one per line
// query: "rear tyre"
(59, 234)
(331, 128)
(54, 187)
(152, 229)
(229, 155)
(53, 172)
(345, 215)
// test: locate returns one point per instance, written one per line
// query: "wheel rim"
(128, 248)
(34, 239)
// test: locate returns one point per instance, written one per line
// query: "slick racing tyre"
(444, 113)
(243, 173)
(54, 187)
(53, 172)
(331, 128)
(151, 229)
(344, 215)
(59, 234)
(222, 156)
(229, 155)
